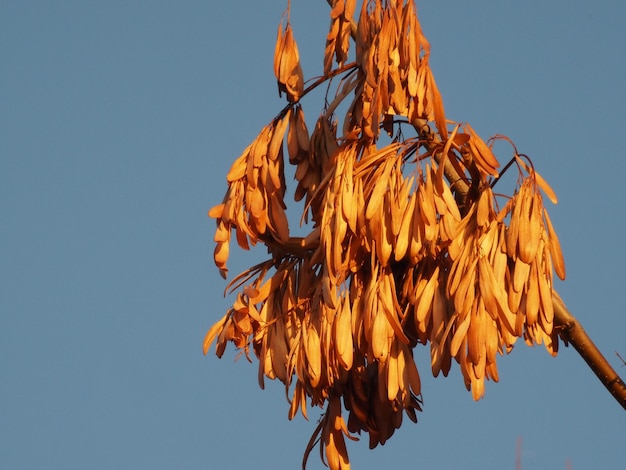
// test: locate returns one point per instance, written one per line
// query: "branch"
(572, 332)
(430, 140)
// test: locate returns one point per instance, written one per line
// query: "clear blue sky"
(118, 123)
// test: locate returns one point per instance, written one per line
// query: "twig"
(573, 332)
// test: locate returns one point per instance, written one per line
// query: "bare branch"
(572, 332)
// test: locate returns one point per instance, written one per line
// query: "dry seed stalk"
(407, 242)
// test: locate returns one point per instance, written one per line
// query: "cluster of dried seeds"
(407, 242)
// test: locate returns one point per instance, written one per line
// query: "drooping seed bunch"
(407, 242)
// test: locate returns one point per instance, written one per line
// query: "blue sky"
(118, 123)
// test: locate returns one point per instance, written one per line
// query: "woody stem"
(572, 332)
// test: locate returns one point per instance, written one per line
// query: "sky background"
(118, 123)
